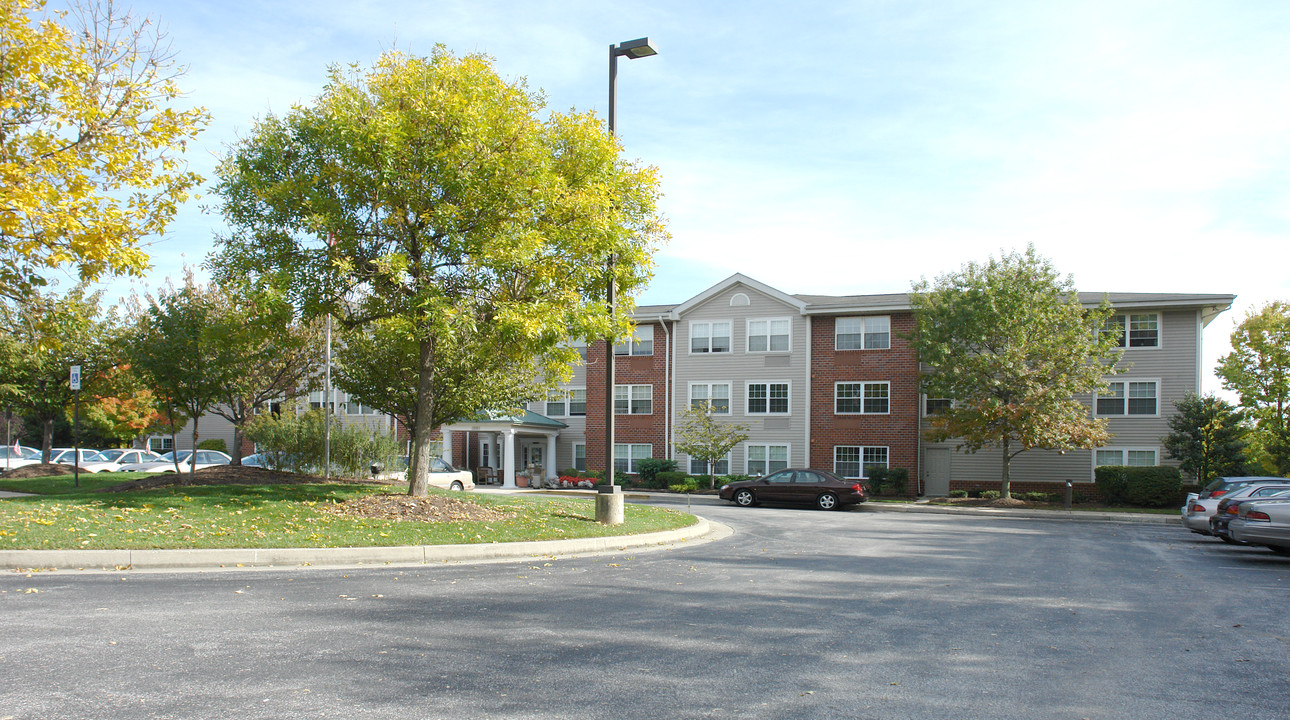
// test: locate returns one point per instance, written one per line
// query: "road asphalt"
(702, 530)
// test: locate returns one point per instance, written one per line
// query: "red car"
(796, 485)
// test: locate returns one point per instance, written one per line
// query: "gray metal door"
(936, 480)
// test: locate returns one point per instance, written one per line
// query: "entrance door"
(936, 480)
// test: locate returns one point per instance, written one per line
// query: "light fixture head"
(638, 48)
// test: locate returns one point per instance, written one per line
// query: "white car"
(67, 456)
(113, 460)
(448, 477)
(166, 463)
(16, 456)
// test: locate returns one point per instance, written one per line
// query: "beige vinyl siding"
(739, 367)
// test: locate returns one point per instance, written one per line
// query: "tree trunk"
(1005, 485)
(236, 451)
(47, 440)
(192, 457)
(422, 437)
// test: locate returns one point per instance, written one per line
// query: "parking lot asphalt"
(701, 531)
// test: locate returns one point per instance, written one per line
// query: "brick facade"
(896, 430)
(629, 370)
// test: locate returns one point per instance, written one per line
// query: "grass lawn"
(261, 516)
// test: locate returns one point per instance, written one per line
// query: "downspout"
(810, 324)
(668, 358)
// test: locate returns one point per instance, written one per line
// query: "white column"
(550, 457)
(447, 444)
(508, 465)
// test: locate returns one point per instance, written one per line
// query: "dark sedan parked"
(796, 485)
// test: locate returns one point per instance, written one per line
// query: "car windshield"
(170, 456)
(109, 455)
(91, 457)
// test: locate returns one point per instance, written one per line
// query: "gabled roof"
(724, 285)
(525, 418)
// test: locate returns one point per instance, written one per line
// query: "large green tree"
(1208, 435)
(429, 190)
(1012, 345)
(91, 141)
(1258, 370)
(45, 335)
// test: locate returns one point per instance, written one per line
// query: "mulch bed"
(40, 470)
(435, 508)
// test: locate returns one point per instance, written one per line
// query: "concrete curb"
(213, 559)
(1011, 513)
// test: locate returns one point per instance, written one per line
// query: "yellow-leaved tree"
(91, 141)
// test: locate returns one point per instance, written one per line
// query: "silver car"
(1263, 523)
(1198, 510)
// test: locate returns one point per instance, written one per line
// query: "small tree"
(1011, 343)
(1208, 435)
(701, 436)
(173, 346)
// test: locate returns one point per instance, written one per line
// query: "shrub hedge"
(1157, 486)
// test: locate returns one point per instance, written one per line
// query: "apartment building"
(827, 382)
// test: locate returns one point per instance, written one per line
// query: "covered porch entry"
(507, 445)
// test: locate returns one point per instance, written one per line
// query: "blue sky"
(854, 147)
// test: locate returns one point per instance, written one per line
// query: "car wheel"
(456, 485)
(745, 498)
(827, 501)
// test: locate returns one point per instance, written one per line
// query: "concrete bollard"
(609, 505)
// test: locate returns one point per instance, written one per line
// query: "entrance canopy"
(503, 429)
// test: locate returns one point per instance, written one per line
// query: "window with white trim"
(720, 467)
(765, 458)
(769, 335)
(641, 342)
(855, 461)
(856, 398)
(716, 393)
(1141, 457)
(1130, 398)
(556, 403)
(862, 333)
(633, 399)
(767, 398)
(580, 456)
(577, 402)
(710, 337)
(1134, 330)
(627, 456)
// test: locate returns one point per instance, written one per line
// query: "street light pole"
(632, 49)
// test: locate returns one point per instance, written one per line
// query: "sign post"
(76, 421)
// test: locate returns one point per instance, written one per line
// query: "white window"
(577, 402)
(869, 398)
(317, 398)
(354, 407)
(627, 456)
(710, 337)
(485, 446)
(863, 333)
(769, 335)
(633, 399)
(161, 444)
(1141, 330)
(1125, 456)
(641, 342)
(765, 458)
(767, 398)
(855, 461)
(1130, 397)
(700, 467)
(716, 393)
(556, 403)
(580, 456)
